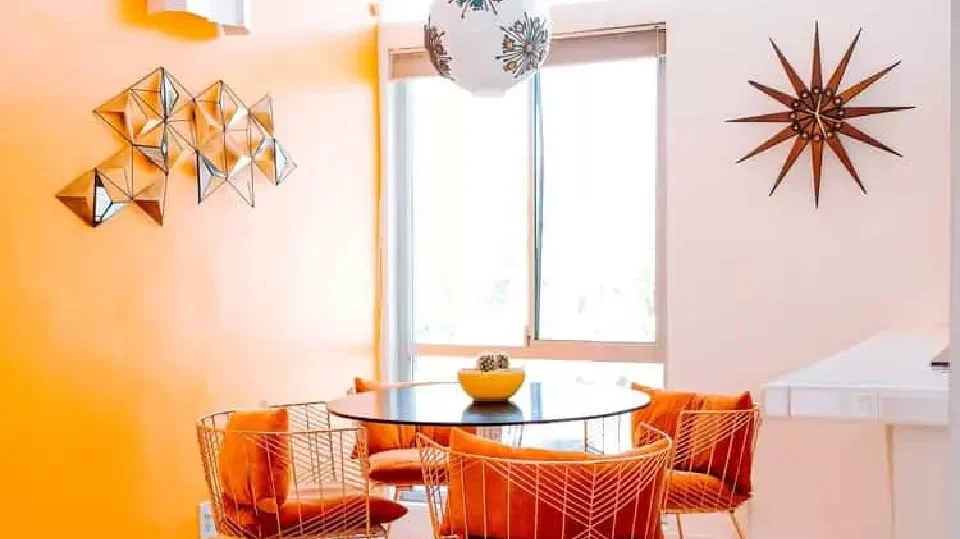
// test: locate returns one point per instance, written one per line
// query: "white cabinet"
(886, 379)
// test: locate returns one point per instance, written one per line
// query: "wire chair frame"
(325, 492)
(511, 435)
(712, 466)
(408, 436)
(607, 497)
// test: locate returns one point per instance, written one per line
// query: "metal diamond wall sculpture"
(161, 123)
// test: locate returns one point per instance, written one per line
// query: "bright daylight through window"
(534, 219)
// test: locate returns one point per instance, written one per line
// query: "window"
(468, 172)
(597, 277)
(531, 223)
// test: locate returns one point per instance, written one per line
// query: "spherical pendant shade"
(488, 46)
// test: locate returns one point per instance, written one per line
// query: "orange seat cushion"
(313, 517)
(396, 467)
(382, 437)
(546, 501)
(699, 492)
(731, 459)
(254, 464)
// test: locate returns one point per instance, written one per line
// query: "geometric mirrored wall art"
(155, 115)
(161, 123)
(123, 178)
(131, 171)
(219, 109)
(274, 161)
(140, 178)
(234, 142)
(93, 197)
(269, 156)
(262, 112)
(224, 149)
(222, 160)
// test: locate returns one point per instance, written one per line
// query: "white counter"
(886, 379)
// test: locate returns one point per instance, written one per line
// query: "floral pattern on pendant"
(439, 56)
(476, 5)
(525, 45)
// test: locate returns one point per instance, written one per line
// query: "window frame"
(396, 330)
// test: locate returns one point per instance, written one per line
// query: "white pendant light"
(487, 46)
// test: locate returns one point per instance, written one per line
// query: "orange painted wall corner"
(114, 340)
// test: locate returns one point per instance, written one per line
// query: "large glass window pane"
(444, 369)
(599, 201)
(469, 174)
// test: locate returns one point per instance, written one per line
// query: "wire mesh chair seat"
(540, 494)
(713, 463)
(289, 472)
(399, 467)
(396, 467)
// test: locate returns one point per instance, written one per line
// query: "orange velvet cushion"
(539, 502)
(389, 437)
(731, 459)
(689, 491)
(396, 467)
(314, 517)
(664, 409)
(254, 464)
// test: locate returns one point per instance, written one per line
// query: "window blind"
(582, 47)
(416, 10)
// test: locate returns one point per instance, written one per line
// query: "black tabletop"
(447, 405)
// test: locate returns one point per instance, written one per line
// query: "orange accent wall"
(113, 340)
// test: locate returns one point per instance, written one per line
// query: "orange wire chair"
(711, 470)
(313, 475)
(598, 497)
(396, 469)
(406, 461)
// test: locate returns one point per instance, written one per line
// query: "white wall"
(953, 502)
(760, 286)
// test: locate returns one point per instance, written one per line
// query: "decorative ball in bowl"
(493, 380)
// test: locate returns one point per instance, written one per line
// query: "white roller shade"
(612, 44)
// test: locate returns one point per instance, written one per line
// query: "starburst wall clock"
(819, 115)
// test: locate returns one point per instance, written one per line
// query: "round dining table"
(446, 405)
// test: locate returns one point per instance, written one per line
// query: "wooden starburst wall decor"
(818, 115)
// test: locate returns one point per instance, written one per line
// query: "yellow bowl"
(492, 386)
